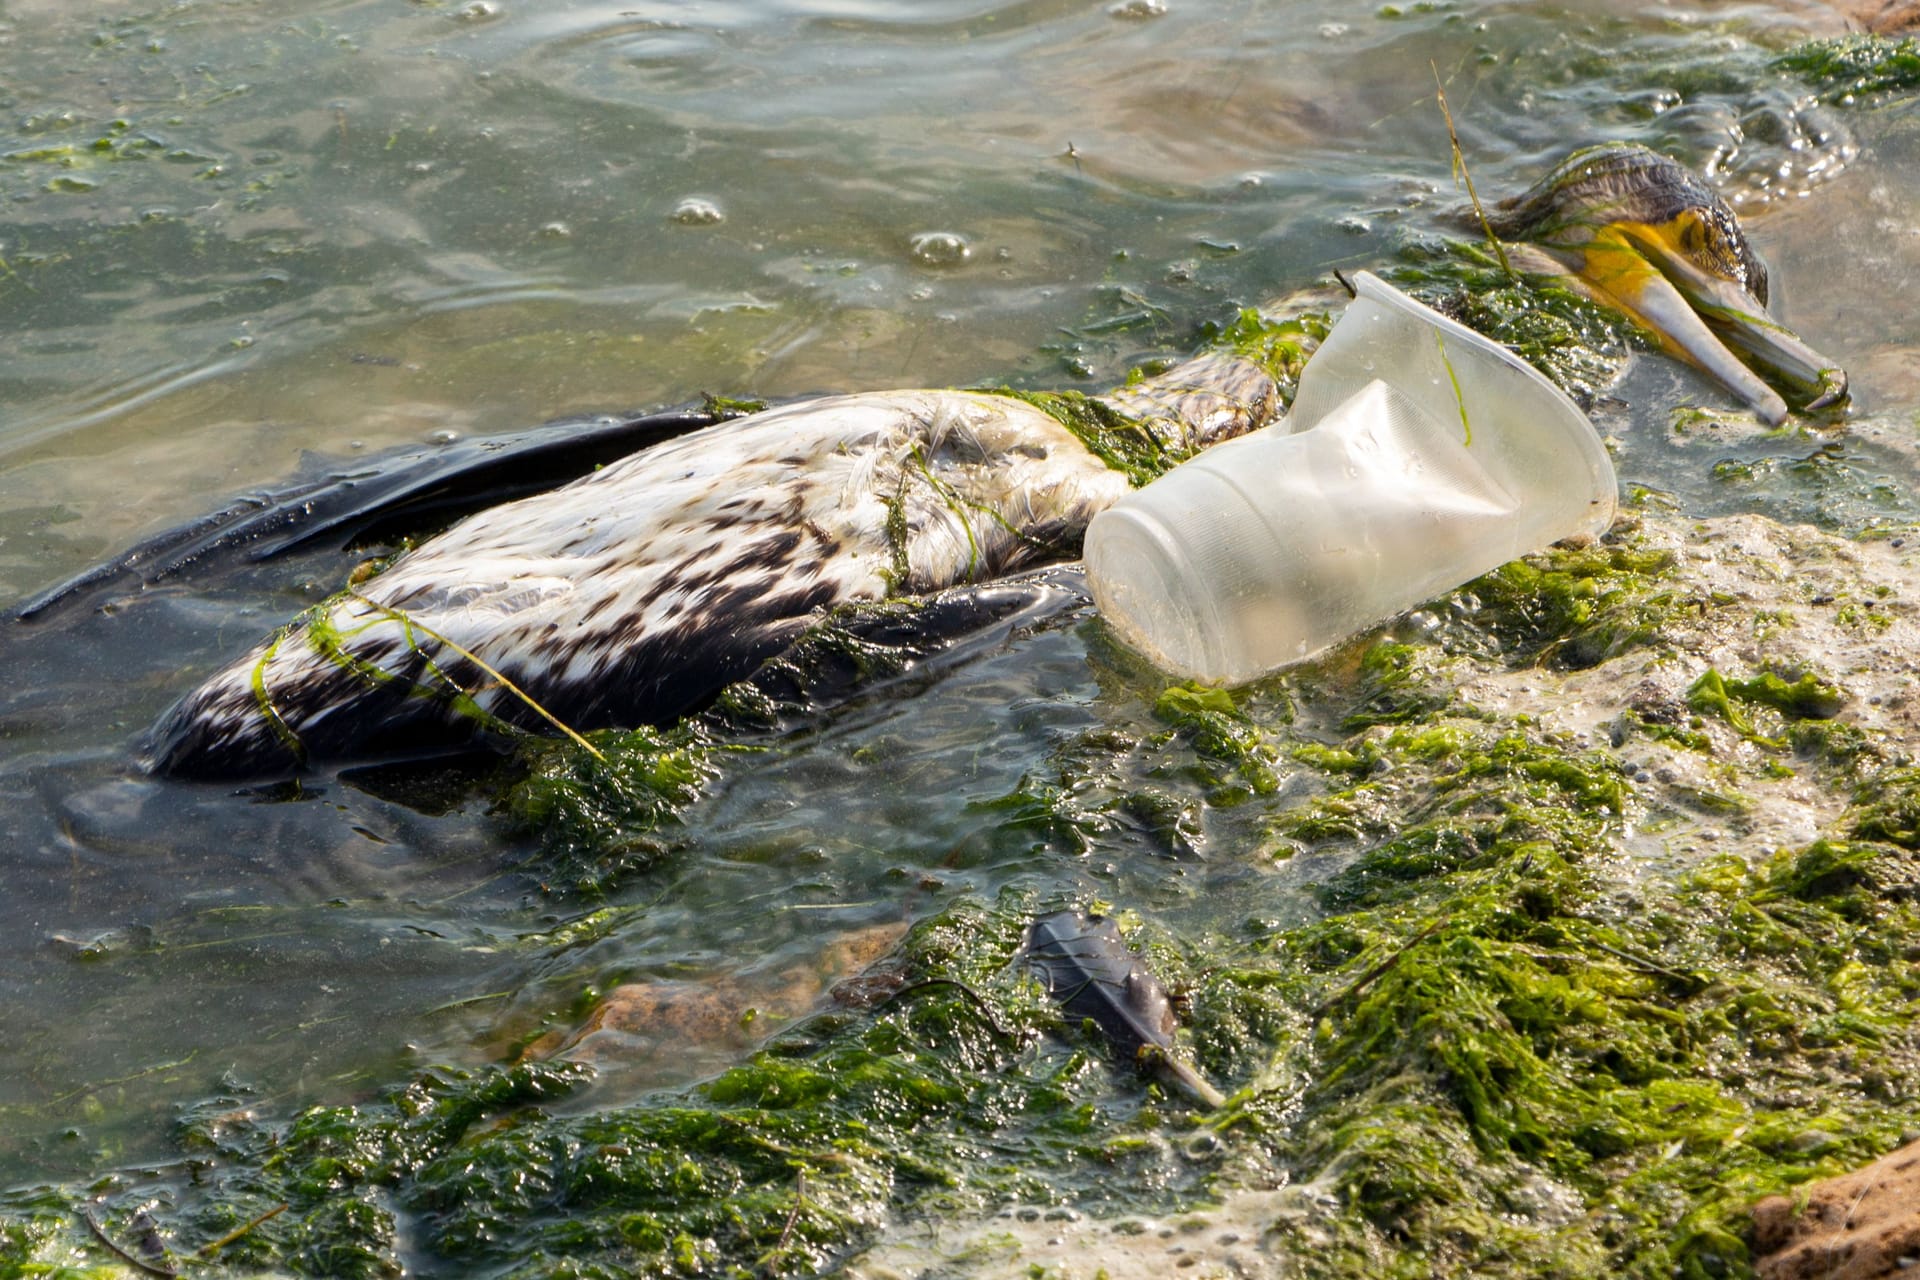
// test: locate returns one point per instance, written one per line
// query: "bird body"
(637, 592)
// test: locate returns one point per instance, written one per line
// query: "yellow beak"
(1707, 320)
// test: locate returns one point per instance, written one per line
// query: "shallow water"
(237, 232)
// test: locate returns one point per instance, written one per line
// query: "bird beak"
(1708, 320)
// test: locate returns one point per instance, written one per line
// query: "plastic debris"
(1418, 455)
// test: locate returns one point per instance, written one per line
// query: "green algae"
(601, 816)
(319, 628)
(770, 1168)
(1398, 683)
(1490, 1053)
(1531, 1081)
(1711, 694)
(729, 407)
(1844, 747)
(1043, 814)
(1145, 449)
(1889, 809)
(1573, 607)
(1846, 67)
(1191, 750)
(1129, 445)
(1279, 345)
(848, 650)
(35, 1246)
(1830, 486)
(1219, 730)
(1806, 698)
(1578, 344)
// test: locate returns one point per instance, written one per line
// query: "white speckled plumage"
(635, 593)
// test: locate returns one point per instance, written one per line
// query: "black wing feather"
(405, 492)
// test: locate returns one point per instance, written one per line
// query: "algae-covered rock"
(1606, 960)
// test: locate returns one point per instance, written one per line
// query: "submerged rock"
(675, 1019)
(1881, 17)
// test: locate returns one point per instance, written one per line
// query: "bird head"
(1642, 233)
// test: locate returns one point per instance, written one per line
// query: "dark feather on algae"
(1089, 970)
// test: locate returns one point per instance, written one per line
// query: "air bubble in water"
(697, 211)
(939, 249)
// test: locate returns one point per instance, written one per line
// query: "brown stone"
(725, 1012)
(1860, 1226)
(1881, 17)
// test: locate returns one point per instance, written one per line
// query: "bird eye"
(1696, 237)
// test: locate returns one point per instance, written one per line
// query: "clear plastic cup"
(1418, 455)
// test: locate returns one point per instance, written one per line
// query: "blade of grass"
(476, 660)
(1461, 175)
(208, 1250)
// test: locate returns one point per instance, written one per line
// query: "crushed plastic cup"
(1417, 456)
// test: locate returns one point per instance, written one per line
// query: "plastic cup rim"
(1606, 483)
